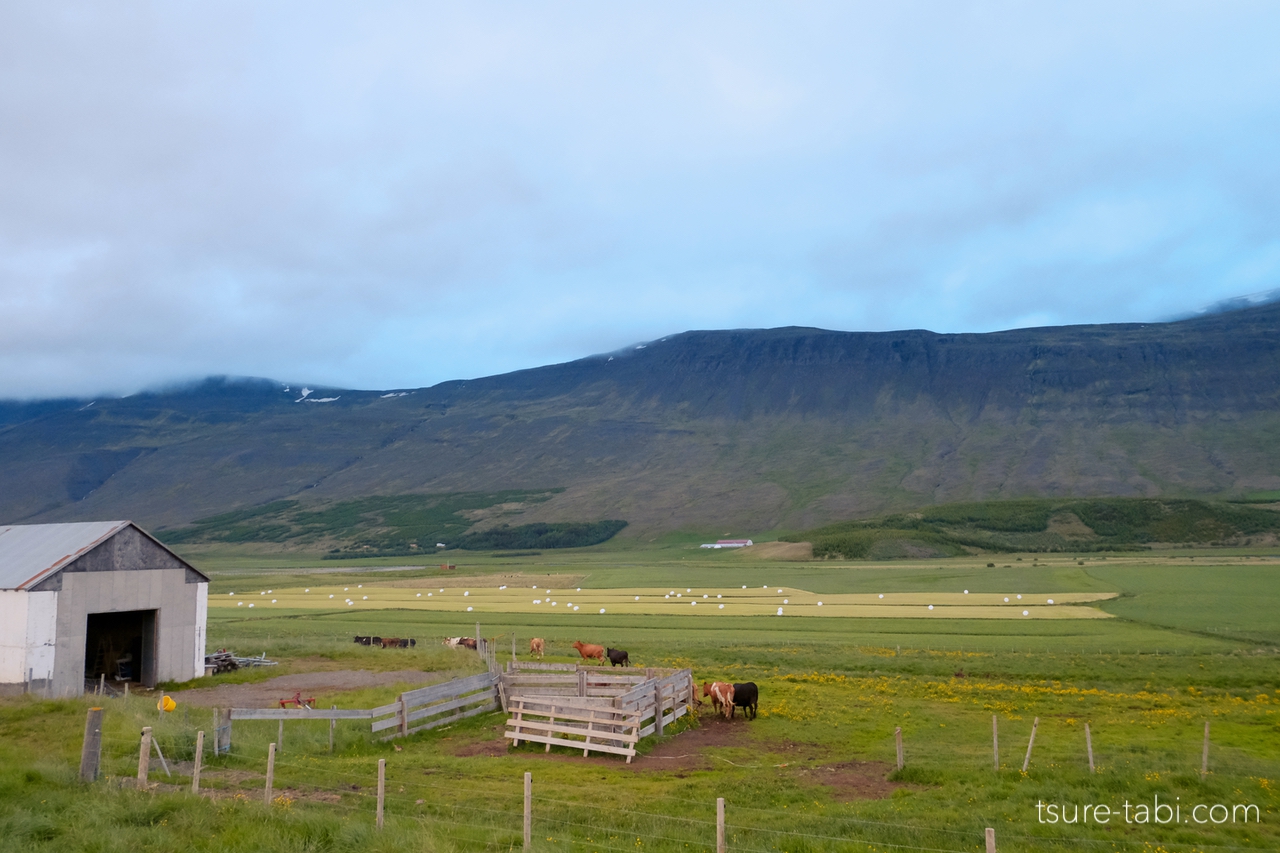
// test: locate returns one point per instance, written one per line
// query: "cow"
(389, 642)
(618, 657)
(468, 643)
(537, 646)
(364, 641)
(745, 696)
(721, 696)
(589, 651)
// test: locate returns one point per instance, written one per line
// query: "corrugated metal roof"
(31, 552)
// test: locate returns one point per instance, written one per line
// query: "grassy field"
(1190, 636)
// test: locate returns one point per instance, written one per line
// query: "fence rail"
(466, 697)
(301, 714)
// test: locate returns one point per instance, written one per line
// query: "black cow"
(745, 696)
(364, 641)
(618, 657)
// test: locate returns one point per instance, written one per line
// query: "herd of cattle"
(387, 642)
(726, 698)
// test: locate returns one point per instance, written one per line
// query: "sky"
(385, 195)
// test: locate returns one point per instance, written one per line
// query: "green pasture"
(1189, 641)
(486, 596)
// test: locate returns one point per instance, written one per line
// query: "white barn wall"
(13, 636)
(42, 632)
(202, 619)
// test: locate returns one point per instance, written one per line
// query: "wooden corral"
(583, 707)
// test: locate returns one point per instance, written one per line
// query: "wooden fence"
(576, 723)
(436, 704)
(584, 707)
(464, 697)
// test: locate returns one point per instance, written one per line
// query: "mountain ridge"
(732, 429)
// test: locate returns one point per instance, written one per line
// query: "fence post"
(995, 741)
(1204, 758)
(1026, 762)
(91, 752)
(144, 756)
(333, 722)
(479, 648)
(513, 645)
(221, 731)
(991, 840)
(280, 737)
(528, 811)
(382, 787)
(897, 738)
(404, 716)
(720, 825)
(102, 683)
(582, 682)
(271, 772)
(657, 705)
(1088, 743)
(195, 771)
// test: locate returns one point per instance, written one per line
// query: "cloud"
(395, 195)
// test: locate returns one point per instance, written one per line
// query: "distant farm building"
(729, 543)
(87, 600)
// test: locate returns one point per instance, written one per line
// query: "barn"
(103, 598)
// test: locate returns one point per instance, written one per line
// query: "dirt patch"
(785, 551)
(482, 748)
(267, 694)
(853, 780)
(524, 579)
(688, 750)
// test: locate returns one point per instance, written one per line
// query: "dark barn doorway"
(121, 646)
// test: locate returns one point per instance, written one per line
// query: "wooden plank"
(595, 747)
(489, 695)
(540, 680)
(383, 710)
(574, 727)
(583, 702)
(560, 709)
(449, 689)
(533, 665)
(546, 693)
(471, 712)
(577, 715)
(301, 714)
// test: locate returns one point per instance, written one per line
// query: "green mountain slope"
(1096, 524)
(724, 432)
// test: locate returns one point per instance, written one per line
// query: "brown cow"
(589, 651)
(389, 642)
(721, 696)
(537, 646)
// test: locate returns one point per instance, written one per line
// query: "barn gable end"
(130, 549)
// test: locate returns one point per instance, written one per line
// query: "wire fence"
(488, 812)
(490, 816)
